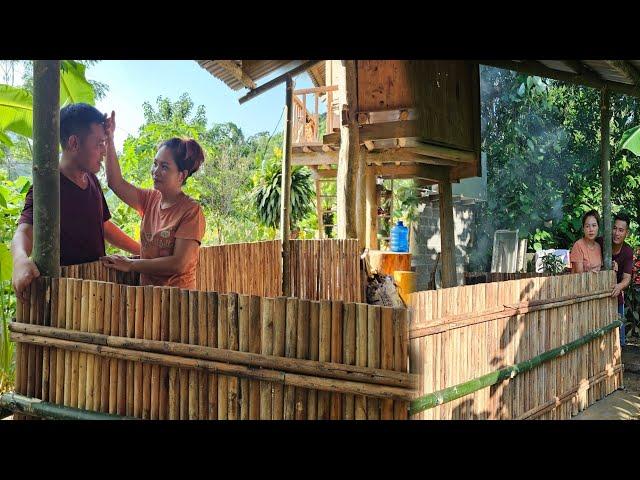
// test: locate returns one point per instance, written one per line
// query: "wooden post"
(285, 200)
(605, 154)
(372, 209)
(46, 176)
(361, 203)
(349, 151)
(447, 236)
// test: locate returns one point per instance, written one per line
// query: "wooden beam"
(278, 80)
(285, 200)
(589, 80)
(46, 173)
(574, 65)
(348, 161)
(238, 73)
(446, 153)
(627, 69)
(304, 91)
(379, 131)
(315, 158)
(447, 236)
(331, 138)
(361, 201)
(428, 172)
(369, 144)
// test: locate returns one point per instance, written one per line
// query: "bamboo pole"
(105, 366)
(324, 353)
(46, 176)
(243, 345)
(201, 339)
(605, 154)
(147, 335)
(174, 336)
(212, 341)
(279, 319)
(193, 340)
(373, 355)
(336, 354)
(60, 356)
(163, 402)
(302, 351)
(386, 345)
(223, 342)
(233, 406)
(184, 338)
(155, 369)
(270, 376)
(266, 346)
(113, 363)
(291, 326)
(37, 408)
(285, 200)
(254, 347)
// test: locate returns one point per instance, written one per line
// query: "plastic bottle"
(400, 238)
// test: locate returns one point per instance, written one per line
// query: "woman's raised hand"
(110, 125)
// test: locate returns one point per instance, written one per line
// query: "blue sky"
(132, 82)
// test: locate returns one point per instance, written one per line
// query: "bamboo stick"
(314, 344)
(233, 408)
(98, 360)
(212, 341)
(83, 359)
(184, 338)
(174, 336)
(266, 346)
(336, 354)
(223, 342)
(255, 329)
(130, 333)
(386, 345)
(147, 335)
(201, 339)
(291, 326)
(243, 344)
(155, 369)
(113, 363)
(193, 340)
(349, 352)
(60, 356)
(163, 403)
(373, 355)
(324, 353)
(105, 362)
(302, 351)
(279, 319)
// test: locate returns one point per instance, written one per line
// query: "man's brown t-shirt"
(82, 216)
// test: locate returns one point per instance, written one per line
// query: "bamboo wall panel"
(461, 333)
(146, 352)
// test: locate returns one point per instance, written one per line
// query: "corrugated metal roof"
(254, 69)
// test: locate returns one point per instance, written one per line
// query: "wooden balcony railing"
(306, 122)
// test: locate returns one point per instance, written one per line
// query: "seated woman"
(586, 254)
(172, 224)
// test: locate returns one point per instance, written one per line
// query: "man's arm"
(24, 270)
(119, 239)
(619, 287)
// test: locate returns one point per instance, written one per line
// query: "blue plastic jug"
(400, 238)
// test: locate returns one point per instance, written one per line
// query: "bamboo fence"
(167, 353)
(460, 334)
(320, 269)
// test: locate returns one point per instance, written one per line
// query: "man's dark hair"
(622, 216)
(76, 119)
(591, 213)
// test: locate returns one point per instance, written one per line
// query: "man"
(622, 256)
(84, 214)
